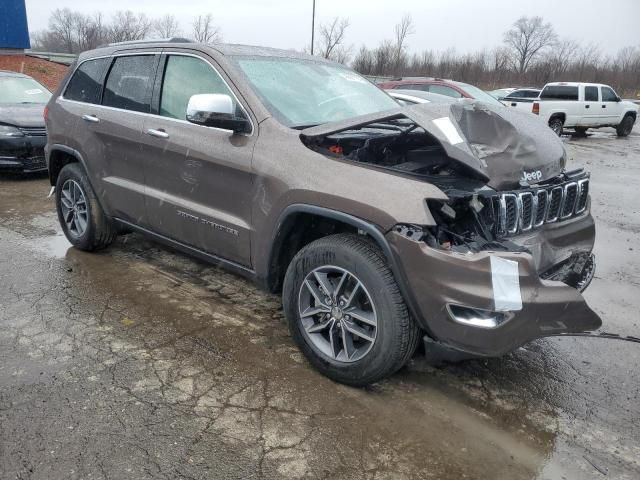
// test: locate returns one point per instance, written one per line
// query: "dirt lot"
(141, 363)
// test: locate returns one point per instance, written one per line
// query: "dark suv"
(22, 130)
(381, 225)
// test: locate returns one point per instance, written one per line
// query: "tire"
(556, 124)
(581, 131)
(395, 335)
(89, 229)
(625, 126)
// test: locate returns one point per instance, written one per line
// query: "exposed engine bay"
(401, 147)
(476, 217)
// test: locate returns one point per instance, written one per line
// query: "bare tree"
(363, 61)
(61, 26)
(331, 39)
(402, 30)
(528, 38)
(205, 31)
(166, 26)
(127, 26)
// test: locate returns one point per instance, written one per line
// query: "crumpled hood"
(502, 145)
(22, 115)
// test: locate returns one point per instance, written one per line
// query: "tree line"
(531, 54)
(74, 32)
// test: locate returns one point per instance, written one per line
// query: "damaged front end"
(508, 252)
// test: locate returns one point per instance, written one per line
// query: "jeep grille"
(525, 210)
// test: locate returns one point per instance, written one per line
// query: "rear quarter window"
(559, 92)
(85, 84)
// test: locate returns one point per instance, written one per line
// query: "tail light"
(536, 108)
(45, 113)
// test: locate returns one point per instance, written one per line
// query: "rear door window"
(417, 86)
(85, 84)
(128, 84)
(559, 92)
(444, 90)
(591, 94)
(186, 76)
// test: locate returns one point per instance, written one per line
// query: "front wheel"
(556, 124)
(345, 311)
(625, 126)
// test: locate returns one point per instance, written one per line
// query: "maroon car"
(440, 86)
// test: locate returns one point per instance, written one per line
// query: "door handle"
(157, 133)
(587, 106)
(604, 106)
(90, 118)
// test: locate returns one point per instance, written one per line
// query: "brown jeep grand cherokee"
(382, 225)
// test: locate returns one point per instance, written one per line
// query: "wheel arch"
(279, 257)
(59, 156)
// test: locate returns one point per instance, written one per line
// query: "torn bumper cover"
(490, 303)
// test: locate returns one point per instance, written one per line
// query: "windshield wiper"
(302, 127)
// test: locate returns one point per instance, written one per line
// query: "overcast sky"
(466, 25)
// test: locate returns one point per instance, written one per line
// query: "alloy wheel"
(73, 203)
(337, 313)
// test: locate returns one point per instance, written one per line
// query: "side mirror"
(618, 99)
(216, 110)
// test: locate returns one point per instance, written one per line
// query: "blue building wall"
(14, 32)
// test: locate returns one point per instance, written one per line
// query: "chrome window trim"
(66, 85)
(244, 109)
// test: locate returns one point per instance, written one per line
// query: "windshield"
(305, 93)
(478, 94)
(22, 90)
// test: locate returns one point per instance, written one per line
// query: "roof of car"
(8, 73)
(226, 49)
(575, 84)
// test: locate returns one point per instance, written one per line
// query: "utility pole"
(313, 25)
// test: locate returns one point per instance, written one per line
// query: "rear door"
(591, 107)
(108, 96)
(198, 180)
(125, 101)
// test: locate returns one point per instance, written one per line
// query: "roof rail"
(150, 40)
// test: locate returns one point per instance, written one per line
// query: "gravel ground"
(138, 362)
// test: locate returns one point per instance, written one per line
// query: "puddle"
(55, 246)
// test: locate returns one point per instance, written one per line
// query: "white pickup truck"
(584, 105)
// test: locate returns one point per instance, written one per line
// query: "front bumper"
(23, 154)
(437, 279)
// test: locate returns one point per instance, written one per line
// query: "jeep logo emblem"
(529, 176)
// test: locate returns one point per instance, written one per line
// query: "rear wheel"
(82, 219)
(625, 126)
(345, 311)
(556, 124)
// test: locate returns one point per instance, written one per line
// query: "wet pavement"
(138, 362)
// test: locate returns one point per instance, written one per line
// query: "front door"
(198, 179)
(610, 106)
